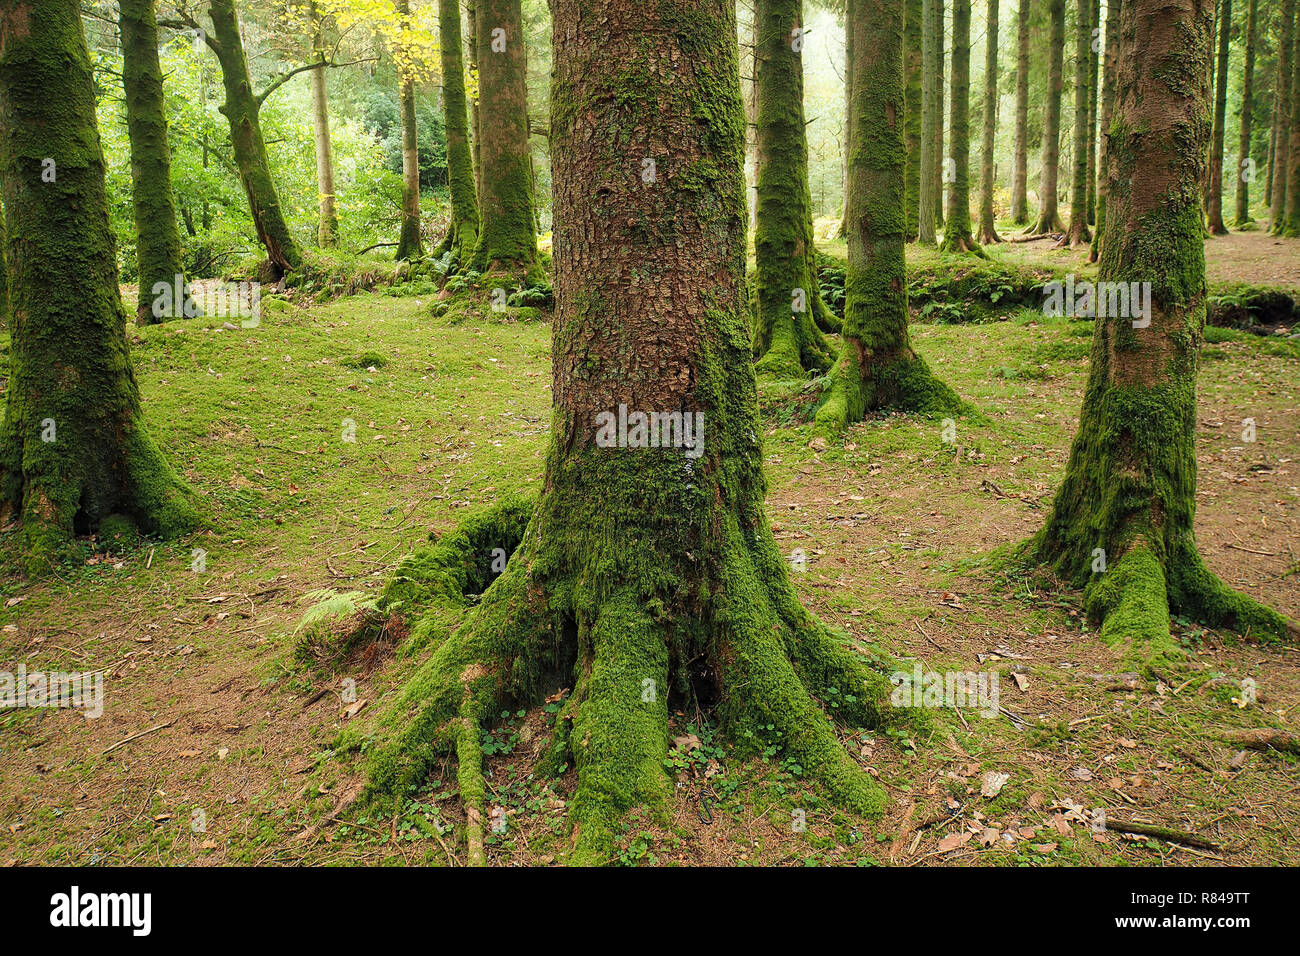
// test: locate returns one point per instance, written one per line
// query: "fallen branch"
(1264, 738)
(1163, 833)
(122, 743)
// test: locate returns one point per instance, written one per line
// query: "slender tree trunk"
(1214, 208)
(158, 239)
(1114, 10)
(409, 245)
(1291, 221)
(1272, 142)
(1049, 217)
(327, 227)
(940, 165)
(74, 449)
(988, 230)
(242, 109)
(1020, 158)
(1122, 523)
(1282, 123)
(877, 367)
(913, 84)
(1245, 172)
(1094, 77)
(848, 110)
(1078, 233)
(471, 44)
(928, 195)
(462, 234)
(957, 231)
(507, 241)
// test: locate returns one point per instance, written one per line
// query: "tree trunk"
(158, 239)
(1049, 217)
(73, 446)
(1291, 219)
(848, 127)
(507, 240)
(877, 367)
(1113, 12)
(988, 229)
(1094, 77)
(4, 271)
(241, 109)
(928, 195)
(913, 85)
(327, 229)
(1282, 123)
(1214, 205)
(787, 341)
(700, 615)
(939, 164)
(1078, 233)
(409, 245)
(957, 232)
(471, 22)
(1020, 159)
(1245, 173)
(1122, 522)
(462, 234)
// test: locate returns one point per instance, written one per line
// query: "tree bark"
(73, 445)
(940, 28)
(1282, 122)
(1094, 79)
(471, 44)
(1291, 219)
(913, 84)
(158, 239)
(928, 194)
(988, 229)
(1020, 149)
(1049, 217)
(4, 270)
(409, 245)
(327, 227)
(1079, 233)
(1114, 9)
(957, 231)
(1214, 196)
(1121, 525)
(1246, 120)
(462, 234)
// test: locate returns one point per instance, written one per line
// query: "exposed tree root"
(793, 347)
(858, 384)
(961, 243)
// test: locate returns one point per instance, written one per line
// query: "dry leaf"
(993, 783)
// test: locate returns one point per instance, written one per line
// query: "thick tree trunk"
(1214, 195)
(1020, 149)
(241, 109)
(928, 195)
(327, 227)
(507, 240)
(1282, 123)
(1246, 120)
(848, 127)
(787, 341)
(1094, 45)
(462, 234)
(877, 367)
(471, 44)
(1049, 217)
(1078, 233)
(158, 239)
(73, 446)
(988, 229)
(409, 245)
(651, 318)
(1122, 522)
(1291, 218)
(913, 85)
(957, 232)
(1114, 9)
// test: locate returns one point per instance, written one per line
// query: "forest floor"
(214, 744)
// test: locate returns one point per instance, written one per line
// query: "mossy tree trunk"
(1121, 525)
(940, 28)
(1111, 65)
(988, 164)
(957, 230)
(651, 315)
(158, 238)
(1282, 121)
(1246, 119)
(877, 367)
(409, 245)
(787, 341)
(242, 109)
(1214, 195)
(928, 196)
(327, 226)
(1079, 233)
(1291, 216)
(4, 270)
(752, 118)
(1020, 146)
(73, 445)
(462, 234)
(507, 239)
(1049, 216)
(471, 45)
(913, 84)
(1094, 79)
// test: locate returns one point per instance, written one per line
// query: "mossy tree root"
(857, 386)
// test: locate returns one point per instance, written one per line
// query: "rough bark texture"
(409, 245)
(327, 226)
(158, 239)
(1094, 77)
(1129, 494)
(928, 194)
(462, 235)
(1290, 225)
(1049, 217)
(1282, 123)
(877, 367)
(1214, 195)
(241, 109)
(988, 229)
(471, 45)
(73, 447)
(939, 60)
(1020, 148)
(957, 231)
(648, 581)
(1246, 119)
(787, 341)
(4, 270)
(913, 85)
(507, 240)
(1114, 9)
(1078, 233)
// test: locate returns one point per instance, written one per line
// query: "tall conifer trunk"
(1110, 67)
(1246, 120)
(988, 229)
(1020, 148)
(1282, 121)
(1078, 233)
(462, 234)
(957, 232)
(1214, 196)
(1049, 216)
